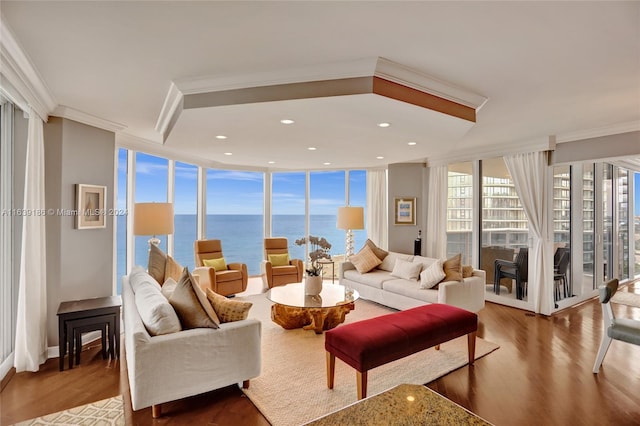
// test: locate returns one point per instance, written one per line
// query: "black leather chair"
(561, 261)
(517, 270)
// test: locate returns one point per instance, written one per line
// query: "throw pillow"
(169, 287)
(217, 264)
(431, 276)
(279, 259)
(172, 269)
(157, 315)
(406, 270)
(157, 263)
(228, 310)
(376, 250)
(365, 260)
(191, 304)
(139, 277)
(389, 261)
(453, 268)
(467, 271)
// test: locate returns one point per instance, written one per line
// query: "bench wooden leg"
(331, 369)
(437, 347)
(245, 384)
(361, 377)
(471, 344)
(156, 411)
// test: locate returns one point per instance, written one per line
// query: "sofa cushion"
(365, 260)
(157, 315)
(467, 271)
(424, 261)
(157, 263)
(191, 304)
(374, 278)
(407, 270)
(218, 264)
(431, 276)
(453, 268)
(228, 310)
(380, 253)
(283, 270)
(172, 270)
(169, 287)
(139, 277)
(390, 261)
(410, 288)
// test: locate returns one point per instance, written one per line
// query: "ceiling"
(546, 68)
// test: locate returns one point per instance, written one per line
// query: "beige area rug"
(626, 298)
(292, 387)
(107, 412)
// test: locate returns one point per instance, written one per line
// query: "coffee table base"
(316, 319)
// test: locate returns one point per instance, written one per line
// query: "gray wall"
(79, 262)
(406, 180)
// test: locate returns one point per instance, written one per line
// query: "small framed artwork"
(405, 211)
(90, 206)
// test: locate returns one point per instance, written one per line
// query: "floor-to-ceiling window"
(622, 222)
(151, 186)
(288, 209)
(636, 223)
(121, 219)
(562, 231)
(358, 198)
(326, 194)
(504, 227)
(460, 211)
(185, 210)
(607, 217)
(588, 225)
(235, 215)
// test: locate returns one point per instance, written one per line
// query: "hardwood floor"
(541, 375)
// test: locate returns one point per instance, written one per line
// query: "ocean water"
(241, 235)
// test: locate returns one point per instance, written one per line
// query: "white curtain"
(377, 225)
(31, 326)
(437, 198)
(529, 173)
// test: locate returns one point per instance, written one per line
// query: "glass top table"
(293, 309)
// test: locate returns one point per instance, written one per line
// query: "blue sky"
(239, 192)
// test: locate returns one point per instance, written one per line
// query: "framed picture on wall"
(405, 212)
(90, 206)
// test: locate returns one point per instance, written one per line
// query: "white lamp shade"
(153, 219)
(350, 217)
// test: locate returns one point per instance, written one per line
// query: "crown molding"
(493, 151)
(85, 118)
(171, 110)
(18, 70)
(614, 129)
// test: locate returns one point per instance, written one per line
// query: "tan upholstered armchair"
(274, 274)
(226, 282)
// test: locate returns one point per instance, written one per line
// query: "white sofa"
(380, 286)
(172, 366)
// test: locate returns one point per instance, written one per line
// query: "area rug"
(626, 298)
(292, 388)
(108, 412)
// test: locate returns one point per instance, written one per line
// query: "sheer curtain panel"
(529, 173)
(436, 235)
(377, 226)
(31, 326)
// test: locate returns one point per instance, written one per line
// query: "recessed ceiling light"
(380, 157)
(384, 124)
(411, 143)
(272, 162)
(221, 137)
(228, 153)
(327, 164)
(312, 148)
(287, 121)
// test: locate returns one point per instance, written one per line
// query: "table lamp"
(350, 218)
(153, 219)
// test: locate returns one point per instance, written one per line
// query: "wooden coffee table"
(293, 309)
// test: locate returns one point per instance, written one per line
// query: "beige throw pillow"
(157, 263)
(453, 268)
(365, 260)
(228, 310)
(406, 270)
(432, 275)
(157, 315)
(172, 269)
(191, 304)
(380, 253)
(467, 271)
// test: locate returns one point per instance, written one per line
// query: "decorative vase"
(312, 285)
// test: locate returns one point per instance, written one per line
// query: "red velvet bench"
(374, 342)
